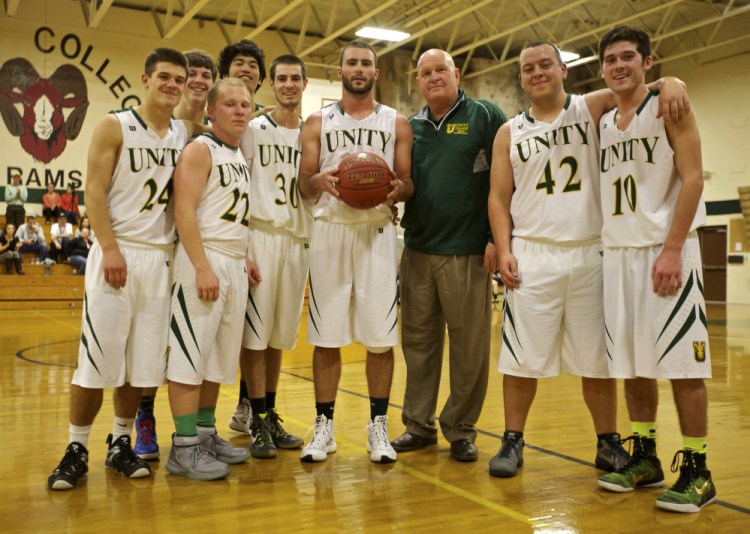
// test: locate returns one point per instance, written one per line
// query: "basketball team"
(214, 216)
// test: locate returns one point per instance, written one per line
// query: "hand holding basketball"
(364, 180)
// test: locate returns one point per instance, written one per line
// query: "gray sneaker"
(222, 449)
(610, 454)
(509, 458)
(243, 415)
(188, 459)
(262, 445)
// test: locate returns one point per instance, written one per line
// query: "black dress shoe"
(411, 442)
(464, 450)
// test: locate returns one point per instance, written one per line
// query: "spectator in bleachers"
(15, 197)
(9, 245)
(51, 203)
(85, 223)
(69, 204)
(60, 235)
(32, 237)
(79, 251)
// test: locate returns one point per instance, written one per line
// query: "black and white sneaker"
(120, 456)
(74, 465)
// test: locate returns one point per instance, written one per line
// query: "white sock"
(122, 427)
(79, 434)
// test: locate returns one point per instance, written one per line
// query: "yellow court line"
(77, 327)
(509, 512)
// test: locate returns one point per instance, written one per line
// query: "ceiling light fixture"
(381, 34)
(567, 57)
(582, 61)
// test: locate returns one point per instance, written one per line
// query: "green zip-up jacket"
(447, 215)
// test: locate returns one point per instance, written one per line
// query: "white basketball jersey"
(272, 153)
(341, 135)
(138, 197)
(640, 183)
(556, 175)
(224, 210)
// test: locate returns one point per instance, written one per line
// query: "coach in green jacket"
(446, 266)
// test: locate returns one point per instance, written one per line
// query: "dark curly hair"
(245, 48)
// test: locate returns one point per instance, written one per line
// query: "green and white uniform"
(205, 337)
(124, 331)
(555, 320)
(353, 252)
(647, 335)
(279, 235)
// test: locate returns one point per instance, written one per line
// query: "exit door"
(713, 240)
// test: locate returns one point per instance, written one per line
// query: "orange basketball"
(364, 180)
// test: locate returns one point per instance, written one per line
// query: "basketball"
(364, 180)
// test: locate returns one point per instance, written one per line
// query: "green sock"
(695, 444)
(186, 425)
(207, 416)
(645, 429)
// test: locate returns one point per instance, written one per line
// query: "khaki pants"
(437, 291)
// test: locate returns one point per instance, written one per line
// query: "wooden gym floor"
(425, 490)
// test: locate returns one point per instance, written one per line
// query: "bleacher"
(60, 289)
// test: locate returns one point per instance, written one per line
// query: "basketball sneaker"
(146, 447)
(509, 458)
(643, 470)
(694, 488)
(281, 438)
(222, 449)
(610, 454)
(378, 445)
(240, 421)
(74, 465)
(322, 443)
(189, 459)
(262, 445)
(120, 456)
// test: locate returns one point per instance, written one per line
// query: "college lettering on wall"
(47, 112)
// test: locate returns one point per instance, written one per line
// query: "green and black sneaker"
(643, 470)
(281, 438)
(261, 444)
(694, 488)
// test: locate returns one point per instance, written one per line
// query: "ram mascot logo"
(44, 129)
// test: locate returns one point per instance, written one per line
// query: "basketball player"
(212, 188)
(279, 243)
(353, 252)
(651, 190)
(545, 167)
(244, 60)
(192, 107)
(201, 76)
(126, 306)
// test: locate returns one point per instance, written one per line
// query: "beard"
(358, 90)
